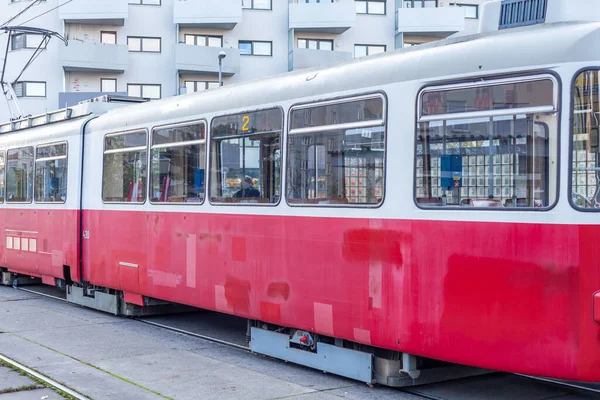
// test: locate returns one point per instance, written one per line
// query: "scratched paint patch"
(324, 318)
(220, 300)
(362, 336)
(375, 286)
(190, 261)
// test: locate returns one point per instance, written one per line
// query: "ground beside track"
(108, 357)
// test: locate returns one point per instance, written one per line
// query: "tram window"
(19, 175)
(51, 173)
(125, 168)
(2, 160)
(178, 164)
(246, 157)
(337, 153)
(486, 158)
(585, 175)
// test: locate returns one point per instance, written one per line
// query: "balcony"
(435, 21)
(308, 58)
(93, 57)
(322, 17)
(96, 12)
(208, 14)
(192, 60)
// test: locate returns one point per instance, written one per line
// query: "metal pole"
(220, 72)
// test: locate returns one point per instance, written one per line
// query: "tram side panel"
(41, 217)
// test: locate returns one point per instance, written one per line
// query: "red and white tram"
(434, 203)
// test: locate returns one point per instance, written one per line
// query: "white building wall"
(160, 68)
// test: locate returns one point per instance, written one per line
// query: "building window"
(51, 173)
(19, 175)
(363, 50)
(246, 157)
(313, 1)
(336, 153)
(502, 153)
(420, 3)
(204, 40)
(256, 4)
(200, 86)
(2, 161)
(145, 2)
(108, 85)
(108, 37)
(178, 164)
(255, 48)
(143, 44)
(25, 41)
(585, 167)
(30, 89)
(375, 7)
(471, 10)
(147, 91)
(315, 44)
(125, 168)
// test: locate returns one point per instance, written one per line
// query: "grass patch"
(23, 388)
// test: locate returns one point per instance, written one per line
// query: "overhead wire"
(23, 11)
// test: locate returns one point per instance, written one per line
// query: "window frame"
(35, 160)
(484, 81)
(206, 143)
(367, 49)
(141, 50)
(110, 33)
(141, 3)
(258, 9)
(570, 161)
(25, 47)
(126, 150)
(336, 100)
(282, 136)
(331, 41)
(475, 6)
(206, 39)
(142, 89)
(185, 82)
(3, 197)
(6, 176)
(24, 90)
(108, 79)
(385, 8)
(252, 44)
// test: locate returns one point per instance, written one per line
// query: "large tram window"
(178, 164)
(585, 178)
(474, 156)
(125, 168)
(246, 157)
(2, 160)
(337, 153)
(51, 173)
(19, 175)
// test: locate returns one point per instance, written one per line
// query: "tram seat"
(486, 203)
(237, 200)
(432, 201)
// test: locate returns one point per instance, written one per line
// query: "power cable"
(23, 11)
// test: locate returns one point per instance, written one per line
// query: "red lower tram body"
(503, 296)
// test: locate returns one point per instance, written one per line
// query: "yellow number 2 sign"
(246, 120)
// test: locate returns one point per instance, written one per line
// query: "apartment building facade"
(162, 48)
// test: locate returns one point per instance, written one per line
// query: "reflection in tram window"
(51, 173)
(19, 175)
(246, 157)
(177, 164)
(585, 181)
(336, 153)
(492, 146)
(125, 168)
(2, 160)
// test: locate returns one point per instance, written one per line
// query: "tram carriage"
(433, 203)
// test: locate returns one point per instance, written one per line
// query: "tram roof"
(526, 48)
